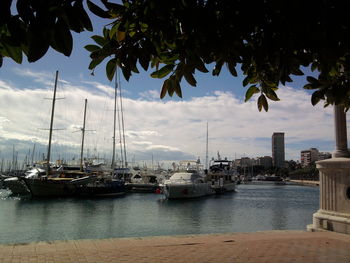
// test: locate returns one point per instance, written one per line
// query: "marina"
(251, 207)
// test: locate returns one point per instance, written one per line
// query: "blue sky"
(168, 129)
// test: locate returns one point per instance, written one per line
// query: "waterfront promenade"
(306, 182)
(268, 246)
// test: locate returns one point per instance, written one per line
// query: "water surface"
(252, 207)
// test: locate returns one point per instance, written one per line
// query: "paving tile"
(269, 246)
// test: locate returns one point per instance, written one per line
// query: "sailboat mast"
(33, 154)
(119, 127)
(122, 116)
(82, 139)
(114, 118)
(206, 151)
(51, 125)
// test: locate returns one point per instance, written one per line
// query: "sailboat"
(106, 184)
(222, 173)
(55, 182)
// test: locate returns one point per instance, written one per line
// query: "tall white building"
(278, 155)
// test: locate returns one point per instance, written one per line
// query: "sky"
(171, 129)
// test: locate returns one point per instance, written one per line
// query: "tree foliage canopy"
(39, 24)
(269, 40)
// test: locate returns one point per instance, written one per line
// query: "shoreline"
(306, 182)
(288, 246)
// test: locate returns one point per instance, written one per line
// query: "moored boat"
(55, 185)
(101, 187)
(184, 185)
(222, 175)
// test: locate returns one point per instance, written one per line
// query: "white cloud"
(5, 85)
(168, 129)
(149, 95)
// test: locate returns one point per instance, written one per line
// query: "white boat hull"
(183, 191)
(16, 186)
(226, 187)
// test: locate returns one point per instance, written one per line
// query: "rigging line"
(122, 114)
(119, 125)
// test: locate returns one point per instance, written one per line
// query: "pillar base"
(330, 221)
(334, 212)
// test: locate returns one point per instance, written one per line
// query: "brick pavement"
(269, 246)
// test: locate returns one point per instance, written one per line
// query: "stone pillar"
(334, 212)
(341, 140)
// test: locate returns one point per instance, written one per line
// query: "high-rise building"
(278, 159)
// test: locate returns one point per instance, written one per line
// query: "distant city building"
(324, 156)
(308, 157)
(265, 161)
(245, 162)
(278, 156)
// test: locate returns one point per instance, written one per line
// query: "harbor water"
(252, 207)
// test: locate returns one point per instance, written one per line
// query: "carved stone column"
(334, 212)
(341, 140)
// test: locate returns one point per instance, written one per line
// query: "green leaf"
(177, 89)
(83, 16)
(99, 40)
(63, 38)
(314, 66)
(38, 44)
(271, 94)
(111, 68)
(105, 33)
(126, 72)
(246, 81)
(262, 102)
(163, 71)
(190, 79)
(94, 63)
(164, 88)
(92, 48)
(97, 10)
(14, 52)
(316, 97)
(217, 68)
(144, 59)
(113, 31)
(312, 80)
(114, 6)
(171, 85)
(201, 67)
(310, 86)
(232, 68)
(250, 92)
(297, 72)
(120, 36)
